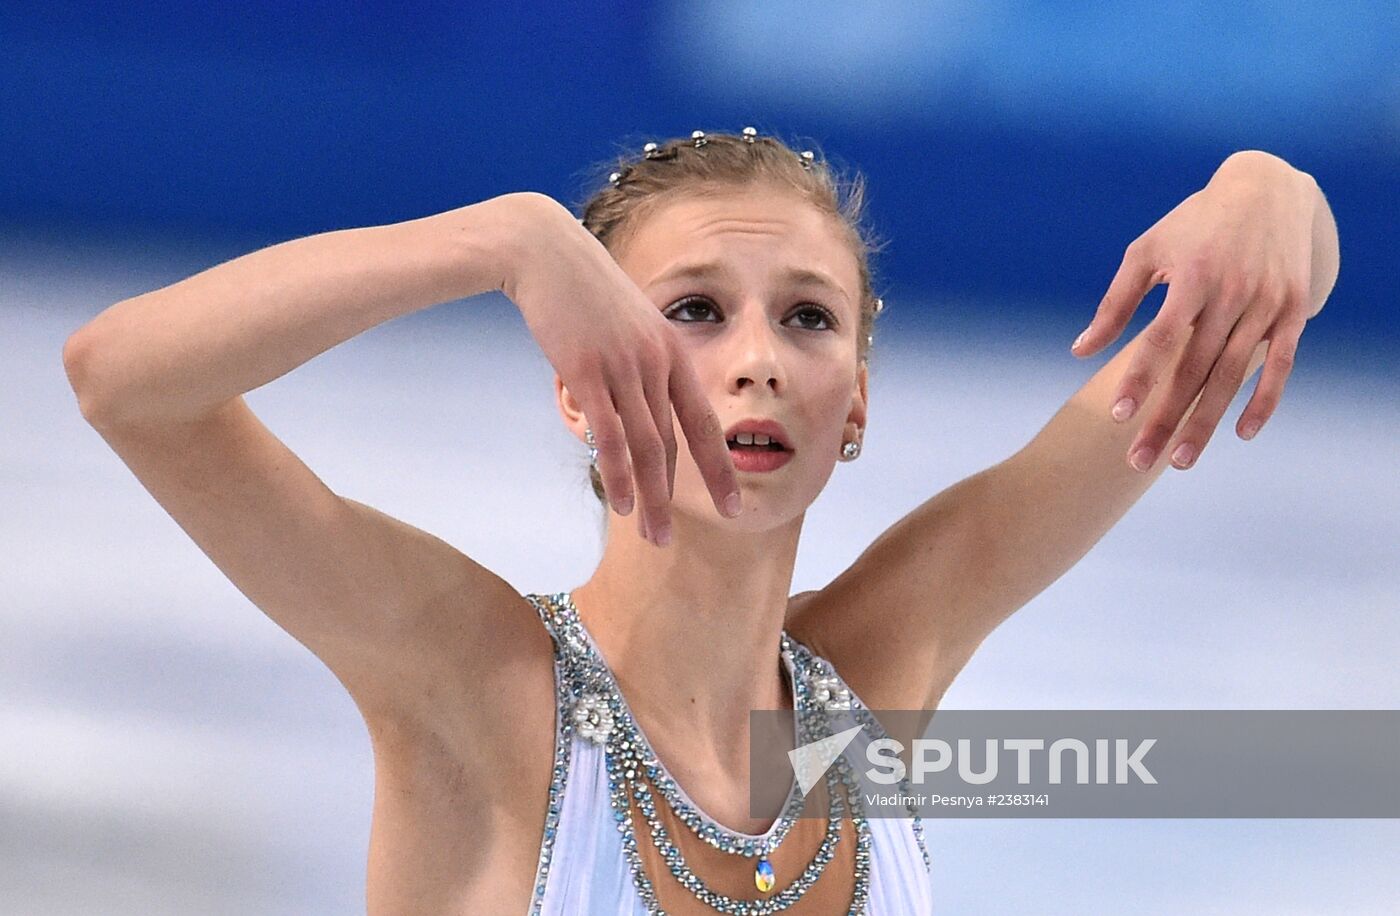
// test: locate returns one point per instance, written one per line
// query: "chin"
(762, 511)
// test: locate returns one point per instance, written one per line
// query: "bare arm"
(181, 351)
(930, 589)
(175, 353)
(1039, 512)
(394, 612)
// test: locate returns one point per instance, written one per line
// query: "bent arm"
(1040, 511)
(394, 612)
(178, 352)
(929, 590)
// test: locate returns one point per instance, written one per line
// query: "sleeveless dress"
(588, 862)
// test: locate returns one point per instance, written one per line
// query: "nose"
(755, 358)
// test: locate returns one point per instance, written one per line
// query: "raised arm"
(905, 617)
(394, 612)
(161, 376)
(177, 352)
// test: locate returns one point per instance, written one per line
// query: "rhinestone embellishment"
(590, 702)
(593, 718)
(763, 875)
(829, 691)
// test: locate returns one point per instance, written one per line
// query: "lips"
(758, 460)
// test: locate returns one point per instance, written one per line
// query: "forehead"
(742, 231)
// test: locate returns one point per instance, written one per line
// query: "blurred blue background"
(1013, 149)
(164, 748)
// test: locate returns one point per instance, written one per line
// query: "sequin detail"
(588, 700)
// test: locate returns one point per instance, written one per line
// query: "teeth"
(752, 439)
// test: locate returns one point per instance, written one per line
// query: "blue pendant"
(763, 875)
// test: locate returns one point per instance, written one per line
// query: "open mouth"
(735, 445)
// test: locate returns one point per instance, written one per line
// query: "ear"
(573, 416)
(860, 398)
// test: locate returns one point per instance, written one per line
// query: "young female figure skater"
(587, 751)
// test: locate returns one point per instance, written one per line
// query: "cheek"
(833, 401)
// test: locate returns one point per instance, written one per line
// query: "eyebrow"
(708, 268)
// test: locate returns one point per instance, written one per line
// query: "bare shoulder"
(891, 622)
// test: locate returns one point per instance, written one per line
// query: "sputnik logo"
(811, 761)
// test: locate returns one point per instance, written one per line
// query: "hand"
(1237, 257)
(622, 361)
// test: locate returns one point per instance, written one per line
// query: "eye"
(690, 304)
(816, 312)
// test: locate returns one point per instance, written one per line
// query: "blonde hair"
(634, 187)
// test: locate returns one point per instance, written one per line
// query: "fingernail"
(1124, 409)
(1250, 429)
(1142, 458)
(1183, 455)
(1079, 340)
(732, 505)
(664, 536)
(624, 505)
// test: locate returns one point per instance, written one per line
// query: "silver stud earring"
(699, 137)
(850, 451)
(592, 446)
(879, 306)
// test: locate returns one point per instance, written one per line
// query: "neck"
(692, 630)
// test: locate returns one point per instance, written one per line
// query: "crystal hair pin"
(654, 151)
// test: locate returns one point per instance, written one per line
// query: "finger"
(611, 442)
(1161, 338)
(1206, 343)
(1224, 383)
(1130, 284)
(657, 390)
(704, 436)
(1278, 365)
(648, 453)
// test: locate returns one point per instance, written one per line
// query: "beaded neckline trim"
(754, 843)
(589, 701)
